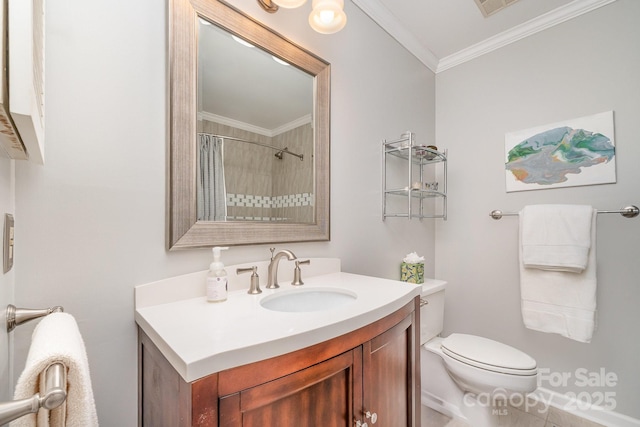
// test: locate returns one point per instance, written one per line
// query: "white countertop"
(199, 338)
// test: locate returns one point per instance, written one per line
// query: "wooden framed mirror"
(186, 226)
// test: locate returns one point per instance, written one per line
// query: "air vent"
(489, 7)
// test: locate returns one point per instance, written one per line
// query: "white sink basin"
(308, 299)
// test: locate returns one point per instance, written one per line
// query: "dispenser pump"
(217, 278)
(217, 264)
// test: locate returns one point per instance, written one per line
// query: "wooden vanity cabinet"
(331, 384)
(320, 395)
(389, 364)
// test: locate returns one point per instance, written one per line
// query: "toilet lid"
(488, 354)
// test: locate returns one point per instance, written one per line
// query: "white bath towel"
(558, 301)
(57, 339)
(556, 237)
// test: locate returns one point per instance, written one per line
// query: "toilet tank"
(431, 309)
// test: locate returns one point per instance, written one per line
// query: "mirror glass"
(248, 154)
(255, 134)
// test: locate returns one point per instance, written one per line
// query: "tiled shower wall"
(293, 178)
(259, 185)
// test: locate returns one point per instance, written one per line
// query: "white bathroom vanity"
(338, 350)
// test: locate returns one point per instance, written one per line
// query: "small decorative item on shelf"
(423, 151)
(412, 269)
(430, 155)
(431, 186)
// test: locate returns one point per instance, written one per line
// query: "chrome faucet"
(272, 276)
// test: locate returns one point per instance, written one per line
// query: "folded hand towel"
(57, 339)
(558, 301)
(556, 237)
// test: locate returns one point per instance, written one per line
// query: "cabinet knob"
(361, 424)
(372, 416)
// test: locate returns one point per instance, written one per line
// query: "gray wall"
(91, 221)
(7, 206)
(581, 67)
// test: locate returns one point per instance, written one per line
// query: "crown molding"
(205, 115)
(533, 26)
(292, 125)
(388, 22)
(385, 19)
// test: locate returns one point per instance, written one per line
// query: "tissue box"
(412, 273)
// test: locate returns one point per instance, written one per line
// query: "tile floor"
(431, 418)
(513, 417)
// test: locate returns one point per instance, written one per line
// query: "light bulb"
(327, 16)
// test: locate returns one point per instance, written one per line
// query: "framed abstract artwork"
(565, 154)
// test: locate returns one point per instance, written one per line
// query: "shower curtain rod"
(280, 151)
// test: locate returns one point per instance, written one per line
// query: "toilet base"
(440, 392)
(469, 410)
(437, 404)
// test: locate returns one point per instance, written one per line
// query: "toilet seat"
(489, 355)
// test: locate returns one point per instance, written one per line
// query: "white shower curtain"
(212, 195)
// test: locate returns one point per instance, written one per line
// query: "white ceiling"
(440, 33)
(445, 33)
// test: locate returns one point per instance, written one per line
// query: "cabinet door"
(388, 371)
(321, 395)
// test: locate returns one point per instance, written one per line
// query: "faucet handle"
(254, 288)
(272, 251)
(297, 273)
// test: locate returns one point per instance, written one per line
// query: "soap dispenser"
(217, 278)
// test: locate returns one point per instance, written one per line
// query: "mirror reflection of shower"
(267, 129)
(260, 178)
(280, 154)
(280, 151)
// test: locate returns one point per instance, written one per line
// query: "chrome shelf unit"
(406, 197)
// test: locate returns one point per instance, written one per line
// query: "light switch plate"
(8, 242)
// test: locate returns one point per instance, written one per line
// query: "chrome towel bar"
(18, 316)
(627, 212)
(54, 396)
(55, 375)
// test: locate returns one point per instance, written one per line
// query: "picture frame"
(564, 154)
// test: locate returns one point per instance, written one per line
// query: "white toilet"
(467, 376)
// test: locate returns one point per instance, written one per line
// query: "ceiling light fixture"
(327, 16)
(289, 4)
(268, 6)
